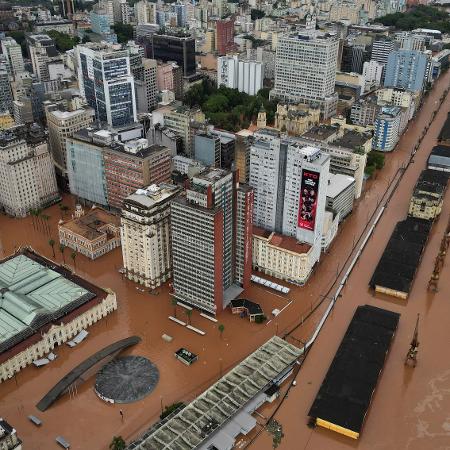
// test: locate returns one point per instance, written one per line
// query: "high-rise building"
(406, 70)
(208, 268)
(181, 12)
(305, 69)
(100, 17)
(27, 175)
(144, 12)
(289, 179)
(372, 73)
(121, 11)
(6, 97)
(242, 156)
(175, 47)
(146, 88)
(8, 437)
(42, 50)
(244, 75)
(106, 83)
(62, 123)
(170, 78)
(146, 234)
(381, 48)
(13, 52)
(133, 164)
(207, 149)
(386, 128)
(224, 38)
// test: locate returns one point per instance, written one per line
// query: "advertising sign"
(308, 199)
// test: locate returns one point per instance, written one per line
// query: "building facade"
(305, 69)
(27, 175)
(406, 69)
(244, 75)
(146, 235)
(386, 129)
(8, 437)
(92, 234)
(13, 52)
(106, 83)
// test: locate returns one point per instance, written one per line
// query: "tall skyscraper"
(175, 47)
(106, 83)
(305, 69)
(146, 87)
(42, 50)
(144, 12)
(211, 250)
(13, 52)
(6, 97)
(146, 235)
(224, 35)
(181, 12)
(406, 70)
(289, 180)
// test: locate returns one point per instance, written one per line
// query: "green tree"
(51, 242)
(62, 247)
(73, 255)
(221, 329)
(174, 303)
(117, 443)
(124, 32)
(63, 41)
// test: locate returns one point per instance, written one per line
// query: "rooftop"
(321, 132)
(352, 139)
(206, 415)
(152, 195)
(93, 224)
(337, 183)
(35, 292)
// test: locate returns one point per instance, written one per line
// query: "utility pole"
(411, 356)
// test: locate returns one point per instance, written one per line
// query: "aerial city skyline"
(224, 224)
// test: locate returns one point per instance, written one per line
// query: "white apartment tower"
(145, 12)
(305, 69)
(27, 175)
(244, 75)
(13, 52)
(146, 235)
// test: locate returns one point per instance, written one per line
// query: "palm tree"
(73, 255)
(174, 303)
(64, 209)
(61, 249)
(51, 242)
(221, 329)
(117, 443)
(46, 218)
(188, 315)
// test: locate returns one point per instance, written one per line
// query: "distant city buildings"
(146, 234)
(27, 175)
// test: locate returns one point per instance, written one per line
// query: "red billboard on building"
(308, 199)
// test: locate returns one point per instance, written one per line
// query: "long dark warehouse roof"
(401, 257)
(346, 392)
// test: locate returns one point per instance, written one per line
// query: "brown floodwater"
(411, 406)
(404, 420)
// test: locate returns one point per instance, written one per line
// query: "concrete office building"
(381, 48)
(27, 175)
(244, 75)
(224, 37)
(132, 165)
(187, 166)
(227, 147)
(305, 69)
(340, 195)
(13, 52)
(146, 87)
(208, 270)
(372, 73)
(242, 155)
(8, 437)
(364, 111)
(106, 83)
(61, 125)
(42, 51)
(144, 12)
(175, 47)
(386, 128)
(207, 149)
(406, 69)
(146, 235)
(44, 305)
(6, 96)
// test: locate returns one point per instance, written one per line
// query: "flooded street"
(410, 408)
